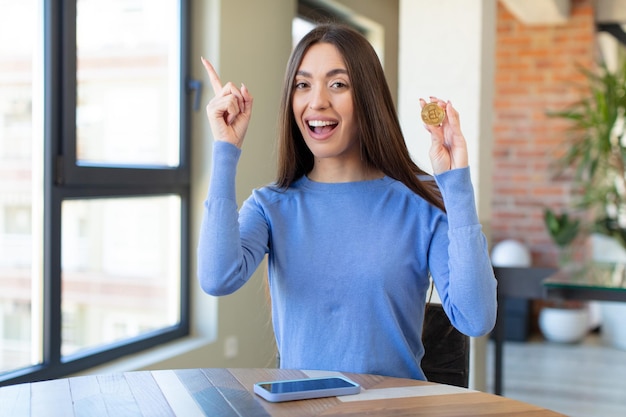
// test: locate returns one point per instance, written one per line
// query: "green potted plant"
(596, 149)
(563, 321)
(595, 154)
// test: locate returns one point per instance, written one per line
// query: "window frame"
(64, 179)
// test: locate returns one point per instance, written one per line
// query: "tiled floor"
(580, 380)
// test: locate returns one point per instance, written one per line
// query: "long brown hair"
(381, 139)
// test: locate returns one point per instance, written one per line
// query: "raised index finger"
(215, 79)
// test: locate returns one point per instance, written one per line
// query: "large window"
(94, 182)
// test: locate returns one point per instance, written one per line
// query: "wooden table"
(228, 392)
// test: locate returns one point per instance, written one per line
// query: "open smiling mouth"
(321, 127)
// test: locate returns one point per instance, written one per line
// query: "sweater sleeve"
(459, 258)
(226, 256)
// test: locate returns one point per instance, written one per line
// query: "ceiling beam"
(614, 29)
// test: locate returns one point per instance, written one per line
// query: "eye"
(299, 85)
(339, 85)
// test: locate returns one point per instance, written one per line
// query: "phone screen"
(305, 385)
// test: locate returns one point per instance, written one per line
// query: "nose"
(319, 98)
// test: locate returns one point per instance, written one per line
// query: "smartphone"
(300, 389)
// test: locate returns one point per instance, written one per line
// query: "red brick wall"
(534, 68)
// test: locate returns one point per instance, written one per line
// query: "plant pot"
(564, 325)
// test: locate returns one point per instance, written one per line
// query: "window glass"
(20, 186)
(120, 268)
(128, 82)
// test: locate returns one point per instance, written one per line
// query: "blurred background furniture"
(521, 283)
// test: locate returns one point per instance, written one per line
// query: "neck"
(327, 171)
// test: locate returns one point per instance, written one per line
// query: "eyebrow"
(330, 73)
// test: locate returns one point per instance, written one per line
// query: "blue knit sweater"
(349, 264)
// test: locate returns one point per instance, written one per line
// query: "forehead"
(322, 56)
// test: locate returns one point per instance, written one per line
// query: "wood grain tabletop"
(218, 392)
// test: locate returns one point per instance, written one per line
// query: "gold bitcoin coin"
(432, 114)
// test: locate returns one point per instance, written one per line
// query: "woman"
(352, 227)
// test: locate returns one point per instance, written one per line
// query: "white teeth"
(320, 123)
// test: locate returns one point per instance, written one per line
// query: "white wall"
(447, 50)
